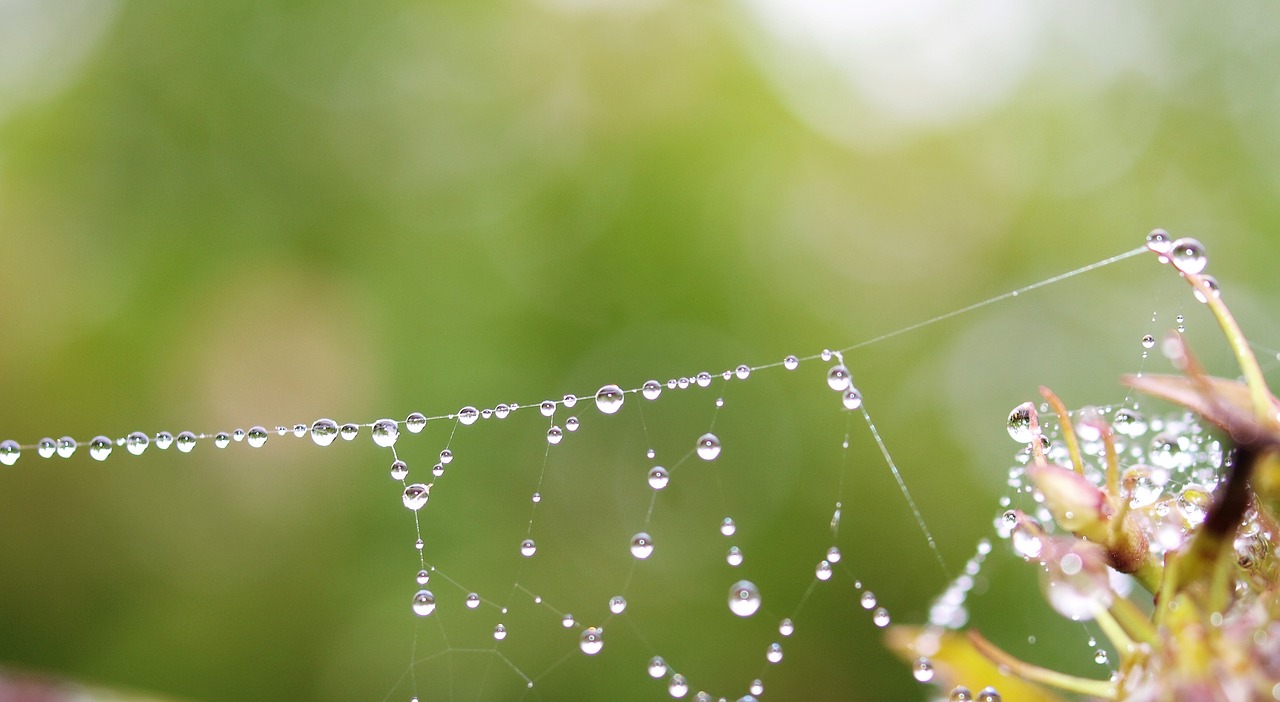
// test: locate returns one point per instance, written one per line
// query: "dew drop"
(1148, 341)
(10, 451)
(651, 390)
(385, 432)
(567, 621)
(1100, 656)
(609, 399)
(791, 363)
(185, 442)
(424, 603)
(446, 456)
(418, 544)
(1019, 424)
(852, 399)
(415, 496)
(473, 600)
(880, 617)
(960, 694)
(547, 408)
(45, 448)
(658, 477)
(399, 469)
(257, 437)
(499, 632)
(282, 430)
(468, 415)
(528, 548)
(727, 527)
(571, 424)
(1160, 242)
(591, 641)
(554, 435)
(868, 600)
(650, 454)
(501, 411)
(617, 604)
(743, 372)
(222, 439)
(826, 355)
(786, 627)
(703, 379)
(641, 545)
(349, 431)
(708, 447)
(756, 687)
(1188, 255)
(823, 571)
(100, 448)
(838, 378)
(136, 442)
(423, 577)
(734, 557)
(238, 435)
(1209, 282)
(989, 694)
(833, 555)
(678, 687)
(657, 667)
(414, 422)
(922, 670)
(537, 497)
(744, 598)
(774, 654)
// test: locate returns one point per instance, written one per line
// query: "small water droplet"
(100, 448)
(1100, 656)
(222, 439)
(10, 451)
(922, 670)
(499, 632)
(609, 399)
(657, 667)
(1209, 282)
(989, 694)
(703, 379)
(786, 627)
(591, 641)
(399, 469)
(1160, 242)
(650, 454)
(728, 527)
(708, 447)
(742, 372)
(299, 430)
(501, 411)
(756, 687)
(257, 437)
(833, 555)
(418, 544)
(136, 442)
(415, 422)
(528, 548)
(468, 415)
(424, 603)
(185, 442)
(1188, 255)
(852, 399)
(547, 408)
(385, 432)
(554, 435)
(651, 390)
(838, 378)
(826, 355)
(537, 497)
(349, 431)
(774, 654)
(880, 617)
(960, 694)
(868, 600)
(1019, 424)
(744, 598)
(238, 435)
(658, 477)
(823, 571)
(678, 687)
(567, 621)
(734, 556)
(1148, 341)
(641, 545)
(791, 363)
(617, 604)
(423, 577)
(437, 470)
(571, 424)
(570, 400)
(446, 456)
(473, 600)
(46, 447)
(415, 496)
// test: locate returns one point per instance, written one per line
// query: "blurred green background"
(215, 215)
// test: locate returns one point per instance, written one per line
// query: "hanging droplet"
(385, 432)
(222, 439)
(257, 437)
(437, 470)
(547, 408)
(238, 435)
(424, 603)
(528, 548)
(499, 632)
(1019, 424)
(678, 687)
(786, 627)
(852, 399)
(1100, 656)
(1148, 341)
(641, 545)
(609, 399)
(136, 442)
(742, 372)
(867, 600)
(299, 430)
(880, 617)
(591, 641)
(415, 422)
(756, 687)
(46, 447)
(415, 496)
(617, 604)
(571, 424)
(826, 355)
(708, 447)
(838, 378)
(9, 452)
(537, 497)
(657, 667)
(418, 544)
(570, 400)
(554, 435)
(922, 670)
(446, 456)
(744, 598)
(349, 431)
(703, 379)
(1160, 242)
(100, 448)
(501, 411)
(823, 571)
(163, 440)
(468, 415)
(734, 556)
(774, 654)
(791, 363)
(567, 621)
(185, 442)
(473, 600)
(833, 555)
(727, 527)
(1209, 282)
(423, 577)
(651, 390)
(650, 454)
(282, 430)
(1188, 255)
(989, 694)
(658, 477)
(399, 469)
(960, 694)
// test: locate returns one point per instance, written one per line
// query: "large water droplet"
(1209, 282)
(703, 379)
(528, 548)
(415, 496)
(415, 422)
(651, 390)
(591, 641)
(136, 442)
(257, 437)
(1019, 425)
(9, 452)
(1188, 255)
(468, 415)
(446, 456)
(657, 667)
(742, 372)
(45, 448)
(185, 441)
(609, 399)
(678, 687)
(658, 477)
(838, 378)
(744, 598)
(100, 448)
(708, 447)
(324, 431)
(424, 603)
(502, 410)
(385, 432)
(641, 545)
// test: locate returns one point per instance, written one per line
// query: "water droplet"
(418, 544)
(658, 477)
(823, 571)
(299, 430)
(756, 687)
(537, 497)
(9, 452)
(100, 448)
(880, 617)
(567, 621)
(826, 355)
(257, 437)
(501, 411)
(46, 447)
(1100, 656)
(960, 694)
(399, 469)
(1209, 282)
(651, 389)
(1128, 423)
(554, 435)
(499, 632)
(989, 694)
(727, 527)
(238, 435)
(617, 604)
(415, 496)
(437, 470)
(571, 424)
(1019, 424)
(791, 363)
(591, 641)
(922, 670)
(1160, 242)
(446, 456)
(222, 439)
(185, 442)
(609, 399)
(1188, 255)
(547, 408)
(786, 627)
(528, 548)
(734, 557)
(657, 667)
(833, 555)
(703, 379)
(1148, 341)
(708, 447)
(424, 603)
(852, 399)
(742, 372)
(473, 600)
(385, 432)
(468, 415)
(423, 577)
(136, 442)
(349, 431)
(868, 600)
(649, 454)
(678, 686)
(838, 378)
(570, 400)
(774, 654)
(744, 598)
(641, 545)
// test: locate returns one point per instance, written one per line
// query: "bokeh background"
(214, 215)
